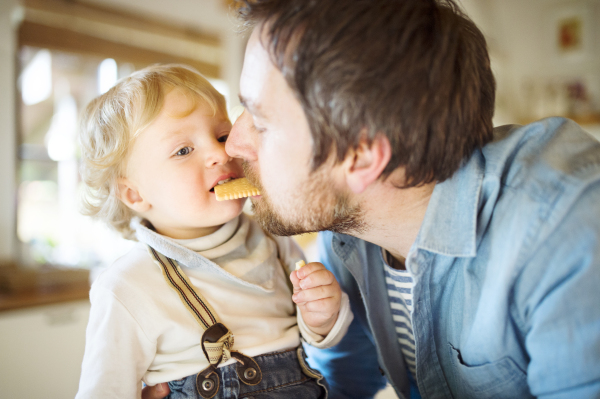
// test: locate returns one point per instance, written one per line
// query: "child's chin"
(232, 208)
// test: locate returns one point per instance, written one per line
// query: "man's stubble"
(321, 208)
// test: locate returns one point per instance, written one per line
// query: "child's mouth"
(212, 190)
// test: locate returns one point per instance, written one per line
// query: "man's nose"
(241, 142)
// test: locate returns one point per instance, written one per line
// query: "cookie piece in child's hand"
(234, 189)
(299, 264)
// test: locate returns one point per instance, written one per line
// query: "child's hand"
(318, 296)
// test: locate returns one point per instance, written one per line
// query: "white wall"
(42, 349)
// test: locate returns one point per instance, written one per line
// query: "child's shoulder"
(132, 269)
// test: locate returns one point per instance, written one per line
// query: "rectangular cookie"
(234, 189)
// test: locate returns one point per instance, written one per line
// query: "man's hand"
(157, 391)
(318, 296)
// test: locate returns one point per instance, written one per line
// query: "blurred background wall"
(56, 55)
(546, 57)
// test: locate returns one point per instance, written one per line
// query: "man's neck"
(394, 216)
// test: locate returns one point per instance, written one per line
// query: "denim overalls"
(276, 375)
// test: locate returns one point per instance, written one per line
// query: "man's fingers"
(157, 391)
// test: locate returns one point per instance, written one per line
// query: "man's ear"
(364, 164)
(131, 197)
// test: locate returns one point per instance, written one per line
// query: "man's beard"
(321, 209)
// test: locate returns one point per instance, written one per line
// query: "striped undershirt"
(399, 285)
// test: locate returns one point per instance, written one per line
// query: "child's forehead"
(180, 102)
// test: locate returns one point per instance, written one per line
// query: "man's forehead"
(258, 76)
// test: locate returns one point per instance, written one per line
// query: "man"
(470, 254)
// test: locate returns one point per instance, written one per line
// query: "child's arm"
(117, 351)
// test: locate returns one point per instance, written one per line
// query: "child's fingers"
(325, 307)
(317, 278)
(316, 294)
(309, 268)
(295, 282)
(294, 279)
(297, 275)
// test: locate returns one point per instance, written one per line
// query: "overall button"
(250, 373)
(208, 385)
(247, 369)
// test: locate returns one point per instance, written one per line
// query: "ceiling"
(210, 16)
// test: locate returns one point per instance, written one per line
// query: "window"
(55, 86)
(67, 55)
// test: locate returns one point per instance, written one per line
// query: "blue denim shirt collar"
(450, 223)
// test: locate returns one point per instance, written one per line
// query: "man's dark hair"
(417, 71)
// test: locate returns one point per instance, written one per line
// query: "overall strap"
(217, 340)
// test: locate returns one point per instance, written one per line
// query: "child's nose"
(218, 156)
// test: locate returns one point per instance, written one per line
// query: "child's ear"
(131, 197)
(364, 164)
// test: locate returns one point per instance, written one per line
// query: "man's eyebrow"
(250, 106)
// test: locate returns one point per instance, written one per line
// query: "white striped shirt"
(399, 285)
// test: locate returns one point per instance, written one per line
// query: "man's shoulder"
(538, 173)
(543, 181)
(553, 153)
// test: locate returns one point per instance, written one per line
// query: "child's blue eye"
(223, 139)
(184, 151)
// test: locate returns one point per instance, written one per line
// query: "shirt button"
(414, 268)
(414, 265)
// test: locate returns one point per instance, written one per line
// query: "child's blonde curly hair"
(112, 121)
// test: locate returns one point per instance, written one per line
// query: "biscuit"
(299, 264)
(234, 189)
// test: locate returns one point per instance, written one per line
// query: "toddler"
(203, 301)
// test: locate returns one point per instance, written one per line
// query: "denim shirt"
(506, 270)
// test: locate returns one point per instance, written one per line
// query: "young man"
(470, 254)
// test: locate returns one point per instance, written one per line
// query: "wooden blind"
(74, 27)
